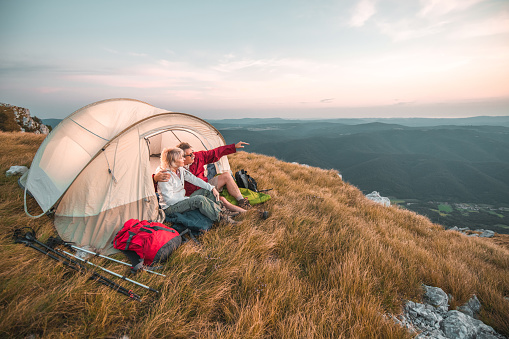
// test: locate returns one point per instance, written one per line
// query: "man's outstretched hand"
(241, 144)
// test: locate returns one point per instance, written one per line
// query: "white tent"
(94, 170)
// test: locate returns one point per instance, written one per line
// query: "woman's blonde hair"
(169, 156)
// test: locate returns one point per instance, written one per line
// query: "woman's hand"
(216, 193)
(241, 144)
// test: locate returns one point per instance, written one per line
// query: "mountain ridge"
(423, 152)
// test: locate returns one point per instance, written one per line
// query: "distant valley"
(423, 168)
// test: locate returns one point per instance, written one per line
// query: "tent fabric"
(75, 141)
(95, 167)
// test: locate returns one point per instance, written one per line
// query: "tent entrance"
(171, 137)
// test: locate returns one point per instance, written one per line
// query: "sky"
(234, 59)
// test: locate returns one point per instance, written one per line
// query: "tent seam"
(89, 131)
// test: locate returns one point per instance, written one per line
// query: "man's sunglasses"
(189, 155)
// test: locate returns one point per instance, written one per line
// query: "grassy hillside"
(326, 263)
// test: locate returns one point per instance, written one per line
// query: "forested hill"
(441, 163)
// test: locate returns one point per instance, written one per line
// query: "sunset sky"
(234, 59)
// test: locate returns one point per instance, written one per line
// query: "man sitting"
(195, 162)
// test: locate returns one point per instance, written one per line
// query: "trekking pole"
(106, 257)
(30, 236)
(112, 273)
(28, 240)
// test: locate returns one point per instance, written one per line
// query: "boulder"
(376, 197)
(487, 234)
(436, 297)
(471, 308)
(16, 170)
(458, 325)
(433, 320)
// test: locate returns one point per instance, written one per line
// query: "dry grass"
(327, 263)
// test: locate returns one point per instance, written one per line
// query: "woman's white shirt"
(173, 190)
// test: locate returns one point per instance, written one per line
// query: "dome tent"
(94, 170)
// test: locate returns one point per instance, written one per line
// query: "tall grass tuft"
(327, 263)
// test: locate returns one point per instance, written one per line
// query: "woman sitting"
(172, 193)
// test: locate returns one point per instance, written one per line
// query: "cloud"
(135, 54)
(48, 90)
(407, 29)
(445, 18)
(432, 8)
(327, 101)
(364, 10)
(492, 26)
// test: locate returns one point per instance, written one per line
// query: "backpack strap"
(128, 242)
(160, 228)
(121, 232)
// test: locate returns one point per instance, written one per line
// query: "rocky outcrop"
(482, 233)
(376, 197)
(14, 118)
(433, 319)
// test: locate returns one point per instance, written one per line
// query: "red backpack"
(152, 241)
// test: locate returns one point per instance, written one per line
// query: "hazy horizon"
(287, 59)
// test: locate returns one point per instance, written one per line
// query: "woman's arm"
(190, 177)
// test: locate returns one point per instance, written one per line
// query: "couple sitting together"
(182, 184)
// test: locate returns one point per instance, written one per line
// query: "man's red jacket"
(202, 158)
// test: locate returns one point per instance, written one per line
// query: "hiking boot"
(233, 214)
(244, 203)
(224, 217)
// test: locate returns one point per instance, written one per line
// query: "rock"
(431, 335)
(376, 197)
(472, 307)
(432, 320)
(487, 234)
(23, 121)
(16, 170)
(422, 316)
(465, 310)
(461, 326)
(436, 297)
(458, 325)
